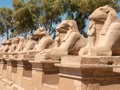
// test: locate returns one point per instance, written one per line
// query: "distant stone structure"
(68, 62)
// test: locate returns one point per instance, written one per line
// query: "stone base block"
(89, 73)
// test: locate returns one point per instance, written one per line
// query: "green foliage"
(51, 11)
(5, 21)
(27, 15)
(17, 4)
(79, 10)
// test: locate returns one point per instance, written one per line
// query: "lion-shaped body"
(103, 33)
(70, 41)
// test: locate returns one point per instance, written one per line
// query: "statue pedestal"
(89, 73)
(4, 73)
(45, 74)
(19, 73)
(16, 74)
(9, 68)
(27, 75)
(1, 66)
(14, 71)
(6, 78)
(23, 78)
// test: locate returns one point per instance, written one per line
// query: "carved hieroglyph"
(103, 33)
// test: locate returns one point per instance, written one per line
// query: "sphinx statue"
(103, 33)
(29, 44)
(72, 41)
(44, 41)
(14, 44)
(56, 42)
(12, 48)
(6, 48)
(7, 45)
(68, 41)
(3, 44)
(20, 45)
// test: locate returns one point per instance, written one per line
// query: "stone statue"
(68, 40)
(20, 45)
(103, 33)
(14, 44)
(3, 44)
(29, 45)
(6, 48)
(12, 48)
(56, 42)
(71, 42)
(7, 45)
(44, 41)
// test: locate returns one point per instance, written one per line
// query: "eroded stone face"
(103, 33)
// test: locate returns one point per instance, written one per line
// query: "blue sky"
(6, 3)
